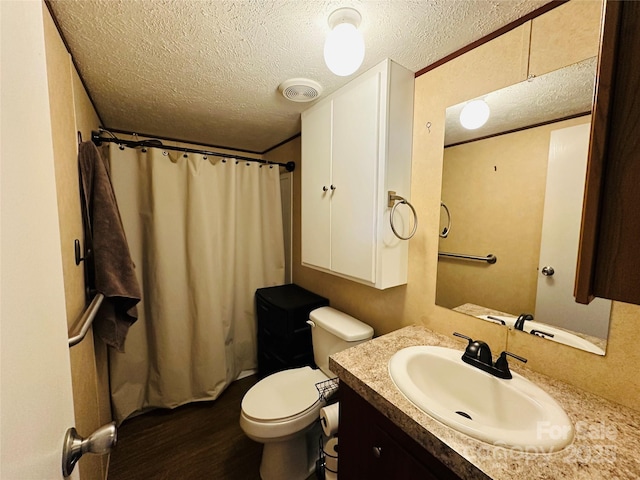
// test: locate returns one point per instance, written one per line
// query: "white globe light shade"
(474, 114)
(344, 49)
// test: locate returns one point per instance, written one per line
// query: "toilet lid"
(283, 394)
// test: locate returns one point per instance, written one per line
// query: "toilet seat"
(283, 395)
(282, 403)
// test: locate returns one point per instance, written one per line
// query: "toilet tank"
(333, 331)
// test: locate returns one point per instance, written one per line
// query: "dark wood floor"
(199, 441)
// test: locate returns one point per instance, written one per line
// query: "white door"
(35, 395)
(555, 302)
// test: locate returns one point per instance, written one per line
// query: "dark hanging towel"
(113, 269)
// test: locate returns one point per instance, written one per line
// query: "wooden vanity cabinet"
(609, 257)
(372, 447)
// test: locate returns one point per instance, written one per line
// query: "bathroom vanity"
(383, 435)
(382, 450)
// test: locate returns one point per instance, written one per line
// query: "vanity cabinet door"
(609, 259)
(373, 448)
(391, 460)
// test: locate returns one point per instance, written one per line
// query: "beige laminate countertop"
(606, 444)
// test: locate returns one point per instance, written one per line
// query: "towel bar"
(87, 319)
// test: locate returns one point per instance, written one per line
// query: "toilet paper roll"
(331, 455)
(329, 419)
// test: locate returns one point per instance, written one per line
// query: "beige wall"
(502, 62)
(492, 66)
(391, 309)
(494, 189)
(71, 111)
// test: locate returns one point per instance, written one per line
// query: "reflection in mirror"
(564, 93)
(514, 188)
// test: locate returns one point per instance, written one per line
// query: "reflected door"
(568, 150)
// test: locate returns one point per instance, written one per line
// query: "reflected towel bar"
(491, 258)
(87, 319)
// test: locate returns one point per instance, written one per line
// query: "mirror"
(512, 192)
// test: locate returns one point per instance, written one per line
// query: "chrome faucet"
(478, 354)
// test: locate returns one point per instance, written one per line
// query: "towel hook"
(391, 203)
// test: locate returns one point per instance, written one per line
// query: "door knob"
(101, 441)
(377, 452)
(548, 271)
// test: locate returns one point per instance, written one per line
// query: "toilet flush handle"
(312, 323)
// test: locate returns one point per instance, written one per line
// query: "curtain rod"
(154, 143)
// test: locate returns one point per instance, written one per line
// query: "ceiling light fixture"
(344, 47)
(474, 114)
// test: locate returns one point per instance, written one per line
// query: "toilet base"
(291, 459)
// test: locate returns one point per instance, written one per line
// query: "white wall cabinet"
(356, 146)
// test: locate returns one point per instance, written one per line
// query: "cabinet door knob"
(324, 188)
(377, 452)
(333, 187)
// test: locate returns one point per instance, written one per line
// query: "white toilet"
(282, 409)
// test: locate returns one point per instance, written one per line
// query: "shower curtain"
(204, 234)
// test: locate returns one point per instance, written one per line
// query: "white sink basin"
(512, 413)
(547, 331)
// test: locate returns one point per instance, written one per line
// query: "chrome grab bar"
(491, 258)
(87, 319)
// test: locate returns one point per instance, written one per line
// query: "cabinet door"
(391, 460)
(372, 447)
(609, 262)
(355, 154)
(316, 180)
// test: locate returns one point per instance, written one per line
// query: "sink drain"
(465, 415)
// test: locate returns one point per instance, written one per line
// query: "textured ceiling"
(208, 71)
(559, 94)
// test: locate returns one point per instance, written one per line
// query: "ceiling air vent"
(300, 89)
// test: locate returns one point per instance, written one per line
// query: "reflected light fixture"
(474, 114)
(344, 46)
